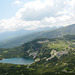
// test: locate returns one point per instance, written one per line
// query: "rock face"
(45, 41)
(53, 53)
(57, 54)
(32, 54)
(38, 59)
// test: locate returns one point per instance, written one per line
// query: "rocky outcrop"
(33, 54)
(57, 54)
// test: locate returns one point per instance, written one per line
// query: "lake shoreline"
(18, 60)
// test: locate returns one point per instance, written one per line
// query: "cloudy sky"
(32, 14)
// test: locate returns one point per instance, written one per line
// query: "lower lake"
(18, 60)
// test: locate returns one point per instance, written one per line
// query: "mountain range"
(19, 40)
(53, 52)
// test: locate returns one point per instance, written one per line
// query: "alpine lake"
(18, 60)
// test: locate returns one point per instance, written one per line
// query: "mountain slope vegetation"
(52, 57)
(43, 34)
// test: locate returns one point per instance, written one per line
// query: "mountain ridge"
(43, 34)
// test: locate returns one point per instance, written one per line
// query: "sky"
(33, 14)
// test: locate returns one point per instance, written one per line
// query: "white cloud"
(41, 13)
(36, 10)
(17, 2)
(15, 24)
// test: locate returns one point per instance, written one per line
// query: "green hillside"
(52, 57)
(43, 34)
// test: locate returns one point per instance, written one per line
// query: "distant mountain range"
(44, 33)
(13, 34)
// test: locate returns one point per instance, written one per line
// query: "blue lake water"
(18, 60)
